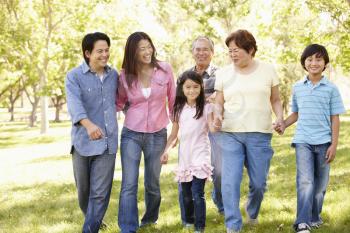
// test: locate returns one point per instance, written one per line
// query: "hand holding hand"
(279, 126)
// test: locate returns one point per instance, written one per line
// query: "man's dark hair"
(312, 49)
(89, 41)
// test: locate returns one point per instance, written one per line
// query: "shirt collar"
(208, 70)
(86, 67)
(188, 106)
(323, 80)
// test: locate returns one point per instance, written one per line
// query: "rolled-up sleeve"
(121, 93)
(74, 99)
(171, 91)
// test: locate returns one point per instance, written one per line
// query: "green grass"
(53, 206)
(14, 134)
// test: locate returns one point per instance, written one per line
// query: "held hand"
(279, 126)
(217, 123)
(164, 158)
(330, 154)
(94, 132)
(211, 98)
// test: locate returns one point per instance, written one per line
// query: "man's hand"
(93, 130)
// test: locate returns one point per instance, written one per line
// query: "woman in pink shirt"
(192, 118)
(146, 85)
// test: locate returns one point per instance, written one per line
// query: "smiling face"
(202, 53)
(144, 52)
(191, 90)
(239, 56)
(99, 55)
(315, 64)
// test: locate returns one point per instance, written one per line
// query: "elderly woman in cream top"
(246, 89)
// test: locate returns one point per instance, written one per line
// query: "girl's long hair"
(130, 61)
(181, 99)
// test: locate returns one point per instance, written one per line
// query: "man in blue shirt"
(91, 99)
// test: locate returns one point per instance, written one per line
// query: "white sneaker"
(303, 228)
(228, 230)
(250, 221)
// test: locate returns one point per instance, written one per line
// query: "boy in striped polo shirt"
(316, 105)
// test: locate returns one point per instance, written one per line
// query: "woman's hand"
(164, 158)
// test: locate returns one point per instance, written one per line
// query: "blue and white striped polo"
(315, 104)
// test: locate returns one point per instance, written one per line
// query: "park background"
(41, 41)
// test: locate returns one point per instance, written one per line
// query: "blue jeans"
(216, 163)
(254, 151)
(132, 144)
(194, 202)
(93, 178)
(312, 180)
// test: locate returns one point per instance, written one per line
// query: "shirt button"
(106, 124)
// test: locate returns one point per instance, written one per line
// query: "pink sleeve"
(121, 93)
(171, 90)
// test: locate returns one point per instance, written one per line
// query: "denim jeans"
(216, 163)
(312, 180)
(194, 202)
(93, 178)
(132, 144)
(253, 150)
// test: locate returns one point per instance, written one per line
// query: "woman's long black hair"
(181, 99)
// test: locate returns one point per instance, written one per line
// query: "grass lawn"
(49, 203)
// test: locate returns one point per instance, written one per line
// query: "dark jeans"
(194, 202)
(93, 178)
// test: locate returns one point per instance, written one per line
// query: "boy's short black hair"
(312, 49)
(89, 41)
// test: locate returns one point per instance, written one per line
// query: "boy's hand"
(164, 158)
(279, 126)
(330, 154)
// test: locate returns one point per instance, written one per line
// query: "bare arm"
(172, 140)
(218, 110)
(291, 119)
(335, 122)
(277, 109)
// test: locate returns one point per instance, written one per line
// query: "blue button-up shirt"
(89, 97)
(315, 104)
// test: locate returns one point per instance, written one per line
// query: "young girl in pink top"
(192, 119)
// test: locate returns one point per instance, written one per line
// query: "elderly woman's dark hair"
(244, 40)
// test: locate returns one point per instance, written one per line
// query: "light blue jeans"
(312, 180)
(254, 151)
(93, 178)
(132, 144)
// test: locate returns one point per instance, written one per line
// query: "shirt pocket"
(91, 93)
(160, 87)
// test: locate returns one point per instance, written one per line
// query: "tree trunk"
(32, 117)
(12, 112)
(57, 112)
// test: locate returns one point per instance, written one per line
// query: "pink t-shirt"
(194, 153)
(148, 115)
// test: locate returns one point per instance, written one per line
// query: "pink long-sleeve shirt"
(148, 115)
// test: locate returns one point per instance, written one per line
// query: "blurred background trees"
(41, 40)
